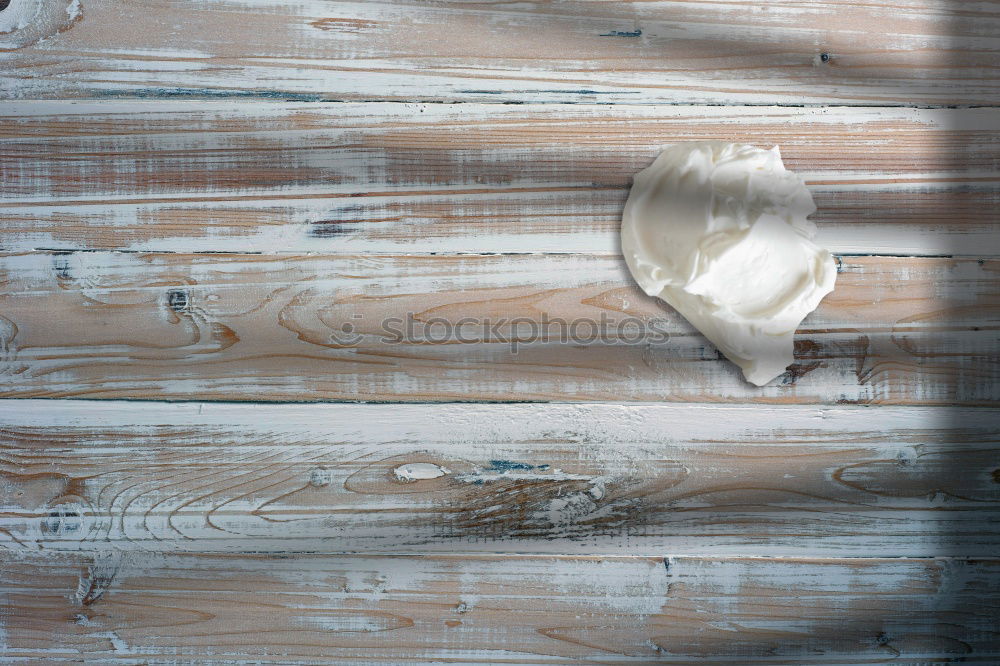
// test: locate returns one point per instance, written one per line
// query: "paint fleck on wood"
(419, 471)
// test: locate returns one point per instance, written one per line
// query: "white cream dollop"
(719, 231)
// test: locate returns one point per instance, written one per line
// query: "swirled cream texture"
(719, 231)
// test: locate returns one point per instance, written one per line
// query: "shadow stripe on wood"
(438, 328)
(498, 609)
(473, 178)
(881, 52)
(556, 478)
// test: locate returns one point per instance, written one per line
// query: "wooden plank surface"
(586, 479)
(512, 610)
(197, 227)
(879, 52)
(248, 177)
(509, 327)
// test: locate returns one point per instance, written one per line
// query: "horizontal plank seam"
(152, 402)
(433, 554)
(275, 97)
(353, 253)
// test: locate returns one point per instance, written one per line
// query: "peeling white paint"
(411, 472)
(479, 475)
(18, 15)
(493, 423)
(568, 509)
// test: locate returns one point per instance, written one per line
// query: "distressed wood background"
(209, 210)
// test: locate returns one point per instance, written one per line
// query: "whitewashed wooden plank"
(250, 176)
(490, 609)
(556, 478)
(880, 52)
(510, 327)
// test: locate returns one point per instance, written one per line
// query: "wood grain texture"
(511, 327)
(510, 610)
(477, 178)
(584, 479)
(879, 52)
(605, 533)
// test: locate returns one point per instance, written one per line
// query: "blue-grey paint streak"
(510, 465)
(623, 33)
(167, 93)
